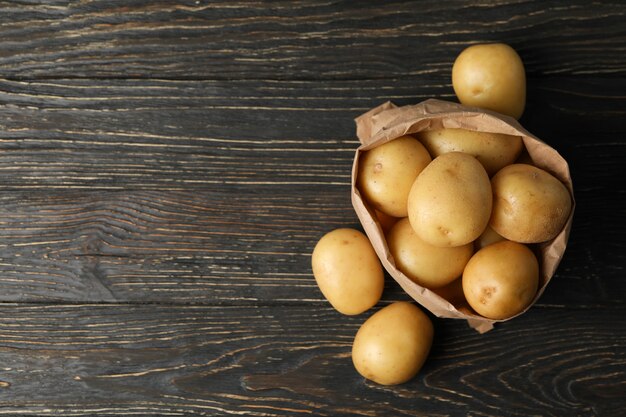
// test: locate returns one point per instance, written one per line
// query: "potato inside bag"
(388, 122)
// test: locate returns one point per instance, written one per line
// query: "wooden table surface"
(167, 168)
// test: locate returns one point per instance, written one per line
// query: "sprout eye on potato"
(501, 280)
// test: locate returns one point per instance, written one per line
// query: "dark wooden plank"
(211, 247)
(303, 40)
(177, 135)
(226, 202)
(170, 135)
(238, 246)
(169, 360)
(156, 155)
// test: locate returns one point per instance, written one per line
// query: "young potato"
(450, 202)
(493, 150)
(453, 293)
(386, 221)
(348, 271)
(529, 204)
(392, 345)
(387, 172)
(501, 280)
(491, 76)
(427, 265)
(488, 237)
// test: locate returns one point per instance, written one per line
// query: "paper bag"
(387, 122)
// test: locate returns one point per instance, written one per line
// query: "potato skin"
(501, 280)
(393, 344)
(450, 202)
(488, 237)
(386, 221)
(529, 204)
(386, 173)
(493, 150)
(347, 271)
(491, 76)
(427, 265)
(453, 293)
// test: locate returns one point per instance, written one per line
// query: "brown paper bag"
(387, 122)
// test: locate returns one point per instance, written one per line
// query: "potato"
(529, 204)
(493, 150)
(501, 280)
(386, 221)
(453, 293)
(450, 202)
(427, 265)
(387, 172)
(392, 345)
(488, 237)
(348, 271)
(491, 76)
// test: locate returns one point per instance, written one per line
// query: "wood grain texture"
(181, 135)
(236, 247)
(167, 167)
(303, 40)
(204, 192)
(169, 360)
(211, 247)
